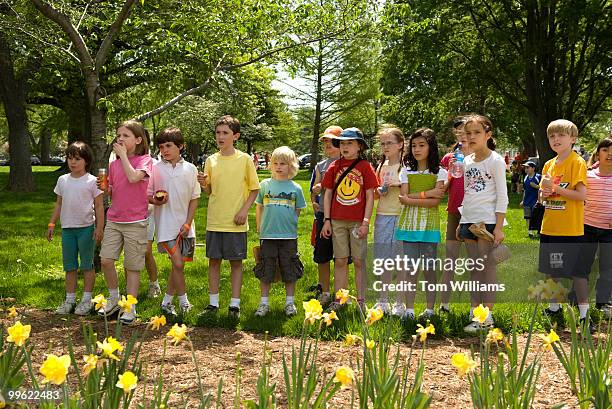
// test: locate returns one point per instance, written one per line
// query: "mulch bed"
(216, 351)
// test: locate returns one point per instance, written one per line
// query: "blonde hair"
(285, 154)
(562, 126)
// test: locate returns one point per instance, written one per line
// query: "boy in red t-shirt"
(348, 209)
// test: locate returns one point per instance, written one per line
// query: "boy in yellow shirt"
(563, 191)
(231, 182)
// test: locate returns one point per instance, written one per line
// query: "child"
(455, 189)
(530, 192)
(485, 201)
(563, 191)
(279, 203)
(77, 199)
(598, 224)
(175, 192)
(323, 247)
(389, 206)
(150, 264)
(230, 180)
(126, 226)
(419, 223)
(349, 198)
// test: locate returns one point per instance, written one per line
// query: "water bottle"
(458, 167)
(386, 181)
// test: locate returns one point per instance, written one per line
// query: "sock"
(445, 305)
(86, 296)
(289, 300)
(554, 306)
(326, 294)
(583, 308)
(167, 299)
(71, 297)
(265, 301)
(114, 293)
(472, 312)
(183, 300)
(154, 283)
(409, 311)
(235, 302)
(214, 299)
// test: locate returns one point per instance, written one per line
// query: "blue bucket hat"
(350, 134)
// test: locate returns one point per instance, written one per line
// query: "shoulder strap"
(346, 172)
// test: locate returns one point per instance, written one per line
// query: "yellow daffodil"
(344, 376)
(342, 296)
(312, 310)
(12, 312)
(157, 322)
(548, 340)
(374, 315)
(480, 314)
(55, 369)
(178, 333)
(463, 363)
(109, 346)
(534, 291)
(100, 301)
(494, 335)
(127, 381)
(329, 317)
(91, 361)
(126, 303)
(370, 344)
(18, 333)
(422, 332)
(351, 339)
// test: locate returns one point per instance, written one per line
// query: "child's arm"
(54, 216)
(416, 199)
(243, 213)
(365, 224)
(315, 191)
(131, 174)
(191, 209)
(578, 193)
(326, 231)
(99, 209)
(498, 232)
(203, 181)
(258, 214)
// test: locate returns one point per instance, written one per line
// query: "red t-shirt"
(455, 188)
(348, 203)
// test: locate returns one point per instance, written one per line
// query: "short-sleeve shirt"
(321, 167)
(280, 199)
(531, 193)
(598, 205)
(564, 217)
(455, 187)
(181, 183)
(389, 204)
(78, 196)
(349, 200)
(231, 180)
(129, 200)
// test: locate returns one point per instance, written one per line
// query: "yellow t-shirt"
(231, 179)
(389, 204)
(564, 217)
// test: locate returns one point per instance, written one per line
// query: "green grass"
(31, 269)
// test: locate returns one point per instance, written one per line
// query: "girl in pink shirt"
(126, 226)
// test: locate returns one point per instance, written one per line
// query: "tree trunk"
(97, 121)
(45, 145)
(316, 129)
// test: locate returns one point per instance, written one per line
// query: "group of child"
(409, 183)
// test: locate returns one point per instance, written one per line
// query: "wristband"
(186, 226)
(51, 225)
(365, 219)
(328, 218)
(423, 195)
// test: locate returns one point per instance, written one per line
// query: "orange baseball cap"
(331, 132)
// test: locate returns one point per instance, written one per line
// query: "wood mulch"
(216, 350)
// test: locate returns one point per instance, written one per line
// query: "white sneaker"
(474, 327)
(262, 310)
(66, 308)
(185, 308)
(83, 308)
(426, 315)
(290, 310)
(168, 310)
(128, 318)
(384, 306)
(398, 310)
(408, 316)
(154, 291)
(111, 307)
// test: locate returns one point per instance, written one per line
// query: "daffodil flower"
(178, 333)
(157, 322)
(548, 340)
(342, 296)
(55, 369)
(127, 381)
(480, 314)
(370, 344)
(422, 332)
(18, 333)
(109, 346)
(374, 315)
(12, 312)
(91, 361)
(329, 317)
(345, 376)
(494, 335)
(463, 363)
(126, 303)
(351, 339)
(99, 301)
(312, 310)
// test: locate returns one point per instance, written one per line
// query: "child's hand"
(403, 199)
(184, 231)
(363, 231)
(98, 235)
(521, 204)
(241, 217)
(202, 179)
(326, 231)
(119, 149)
(316, 207)
(316, 189)
(547, 191)
(50, 232)
(435, 193)
(380, 191)
(498, 236)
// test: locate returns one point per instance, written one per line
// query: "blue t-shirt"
(280, 199)
(531, 193)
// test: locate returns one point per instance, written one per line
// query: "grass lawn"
(31, 269)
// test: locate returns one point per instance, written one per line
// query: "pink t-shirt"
(129, 200)
(455, 188)
(598, 204)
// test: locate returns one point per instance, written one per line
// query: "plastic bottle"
(386, 181)
(103, 177)
(458, 167)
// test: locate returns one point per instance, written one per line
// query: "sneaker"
(334, 306)
(606, 309)
(65, 308)
(233, 312)
(584, 325)
(83, 308)
(475, 327)
(398, 310)
(210, 310)
(128, 318)
(110, 308)
(262, 310)
(384, 306)
(168, 310)
(325, 299)
(154, 291)
(290, 310)
(444, 310)
(426, 315)
(408, 316)
(185, 308)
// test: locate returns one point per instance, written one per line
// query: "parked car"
(261, 163)
(56, 160)
(4, 161)
(304, 160)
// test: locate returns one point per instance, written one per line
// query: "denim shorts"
(78, 241)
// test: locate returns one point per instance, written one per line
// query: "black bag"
(537, 214)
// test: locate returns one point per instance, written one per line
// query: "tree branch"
(115, 28)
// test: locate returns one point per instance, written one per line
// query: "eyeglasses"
(388, 143)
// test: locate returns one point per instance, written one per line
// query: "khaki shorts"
(345, 244)
(132, 237)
